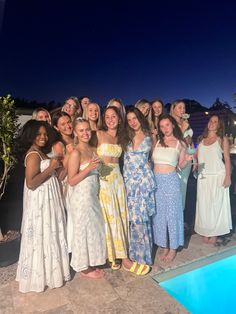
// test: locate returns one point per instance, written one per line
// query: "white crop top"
(166, 155)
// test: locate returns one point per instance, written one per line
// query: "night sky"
(177, 49)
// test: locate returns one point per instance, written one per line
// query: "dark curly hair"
(30, 132)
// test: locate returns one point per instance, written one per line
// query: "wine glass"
(100, 166)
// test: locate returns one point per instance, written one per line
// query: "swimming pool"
(206, 289)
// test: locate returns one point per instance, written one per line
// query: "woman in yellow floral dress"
(112, 193)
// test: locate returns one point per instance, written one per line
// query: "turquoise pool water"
(209, 289)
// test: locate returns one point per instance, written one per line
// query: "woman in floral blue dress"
(140, 186)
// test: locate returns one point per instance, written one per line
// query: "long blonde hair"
(37, 110)
(174, 104)
(85, 114)
(139, 104)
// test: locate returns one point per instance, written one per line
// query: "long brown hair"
(176, 129)
(129, 134)
(120, 129)
(152, 111)
(220, 130)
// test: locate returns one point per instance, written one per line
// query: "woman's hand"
(54, 164)
(94, 163)
(188, 157)
(69, 148)
(227, 181)
(154, 132)
(195, 166)
(184, 125)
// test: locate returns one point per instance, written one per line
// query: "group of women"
(108, 187)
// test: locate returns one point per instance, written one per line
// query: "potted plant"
(10, 242)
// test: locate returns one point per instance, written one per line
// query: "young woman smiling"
(88, 241)
(92, 113)
(43, 257)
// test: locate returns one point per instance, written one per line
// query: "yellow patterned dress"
(113, 203)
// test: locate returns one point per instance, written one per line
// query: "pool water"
(209, 289)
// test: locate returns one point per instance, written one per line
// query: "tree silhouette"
(26, 103)
(220, 105)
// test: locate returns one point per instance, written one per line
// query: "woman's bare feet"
(205, 240)
(164, 252)
(170, 256)
(92, 273)
(212, 240)
(100, 271)
(127, 263)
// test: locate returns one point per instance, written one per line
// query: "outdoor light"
(206, 112)
(234, 122)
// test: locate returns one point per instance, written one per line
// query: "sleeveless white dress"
(88, 242)
(43, 257)
(213, 211)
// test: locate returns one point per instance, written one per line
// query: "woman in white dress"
(213, 212)
(88, 243)
(43, 257)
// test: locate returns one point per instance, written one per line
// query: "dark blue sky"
(176, 49)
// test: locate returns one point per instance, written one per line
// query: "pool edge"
(200, 262)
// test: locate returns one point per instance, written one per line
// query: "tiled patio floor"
(119, 292)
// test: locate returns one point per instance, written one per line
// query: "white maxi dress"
(88, 244)
(213, 211)
(43, 260)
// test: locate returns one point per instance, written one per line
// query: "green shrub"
(9, 128)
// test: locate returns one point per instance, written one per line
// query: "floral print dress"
(140, 187)
(113, 203)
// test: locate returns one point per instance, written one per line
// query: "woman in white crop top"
(168, 154)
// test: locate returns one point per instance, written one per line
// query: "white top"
(211, 157)
(166, 155)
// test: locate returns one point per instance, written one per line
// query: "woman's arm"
(74, 174)
(59, 149)
(183, 157)
(99, 135)
(184, 125)
(34, 178)
(227, 180)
